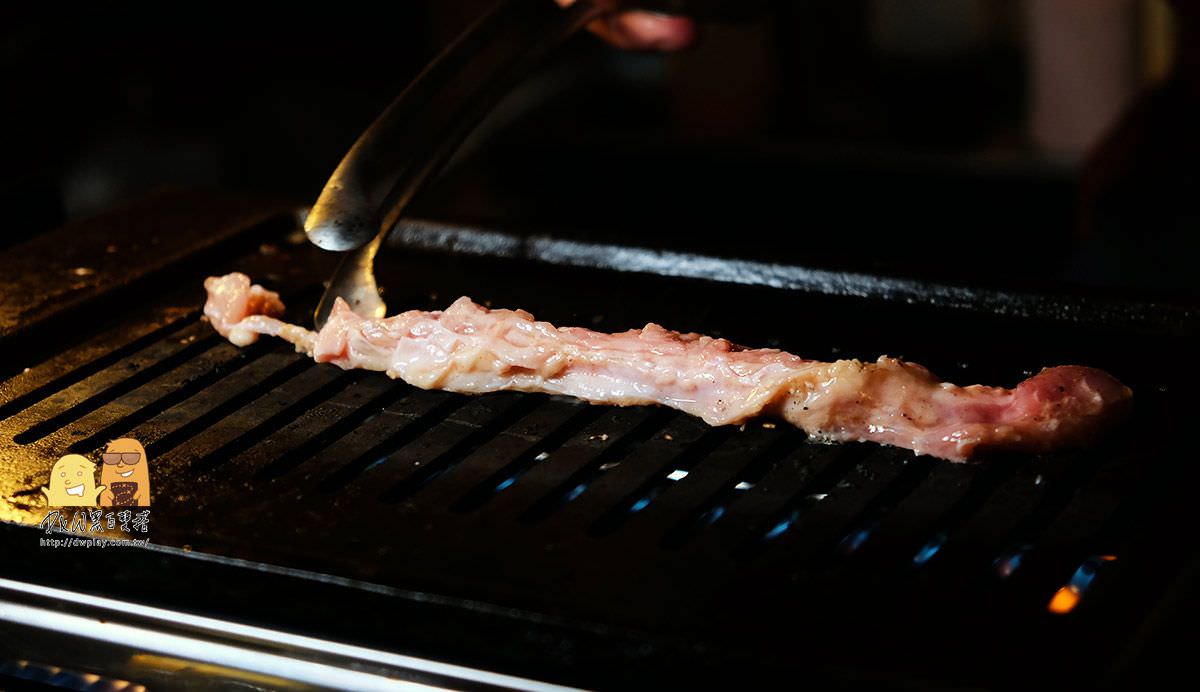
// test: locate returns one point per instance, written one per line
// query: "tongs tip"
(339, 233)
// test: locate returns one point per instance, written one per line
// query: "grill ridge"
(513, 471)
(82, 372)
(456, 453)
(393, 443)
(985, 481)
(828, 522)
(1099, 524)
(813, 492)
(876, 511)
(45, 427)
(1057, 496)
(1107, 530)
(711, 510)
(998, 515)
(182, 393)
(652, 487)
(277, 421)
(295, 456)
(226, 408)
(586, 476)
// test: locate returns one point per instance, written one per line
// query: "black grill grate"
(744, 544)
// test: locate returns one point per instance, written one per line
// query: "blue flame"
(927, 551)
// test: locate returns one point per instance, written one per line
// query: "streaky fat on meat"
(470, 349)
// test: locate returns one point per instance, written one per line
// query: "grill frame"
(545, 586)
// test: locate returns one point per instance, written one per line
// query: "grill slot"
(478, 470)
(912, 476)
(588, 477)
(829, 521)
(378, 439)
(847, 460)
(713, 509)
(371, 407)
(222, 443)
(365, 459)
(993, 528)
(273, 370)
(310, 429)
(161, 396)
(592, 434)
(1099, 519)
(507, 476)
(1125, 484)
(502, 414)
(1024, 534)
(110, 384)
(683, 477)
(787, 490)
(1059, 492)
(917, 529)
(105, 360)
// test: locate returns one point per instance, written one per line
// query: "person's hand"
(641, 30)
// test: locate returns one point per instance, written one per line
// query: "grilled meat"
(470, 349)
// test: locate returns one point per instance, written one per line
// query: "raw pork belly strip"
(471, 349)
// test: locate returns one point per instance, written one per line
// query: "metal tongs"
(421, 129)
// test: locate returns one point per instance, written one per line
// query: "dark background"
(1048, 143)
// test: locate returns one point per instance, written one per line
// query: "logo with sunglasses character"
(125, 474)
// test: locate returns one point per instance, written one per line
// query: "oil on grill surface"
(641, 517)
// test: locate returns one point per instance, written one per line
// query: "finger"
(639, 30)
(645, 31)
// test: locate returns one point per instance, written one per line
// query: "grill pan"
(590, 546)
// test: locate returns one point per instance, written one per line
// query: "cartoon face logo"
(126, 473)
(72, 483)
